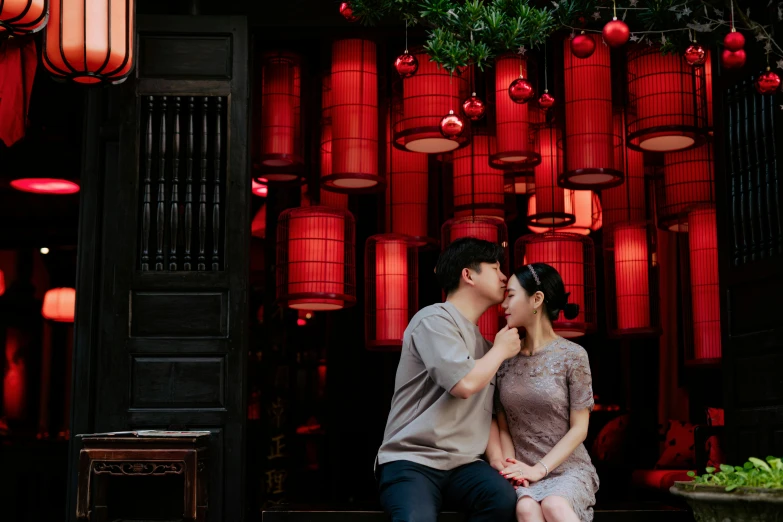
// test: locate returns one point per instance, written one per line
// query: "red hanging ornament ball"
(474, 108)
(347, 12)
(768, 82)
(582, 46)
(546, 100)
(406, 64)
(695, 55)
(733, 59)
(521, 90)
(734, 41)
(616, 33)
(451, 126)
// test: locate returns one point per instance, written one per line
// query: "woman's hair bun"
(571, 310)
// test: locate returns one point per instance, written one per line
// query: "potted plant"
(749, 493)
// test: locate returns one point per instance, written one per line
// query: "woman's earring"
(535, 311)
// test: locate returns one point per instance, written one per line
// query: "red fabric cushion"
(679, 452)
(715, 416)
(661, 479)
(610, 442)
(715, 455)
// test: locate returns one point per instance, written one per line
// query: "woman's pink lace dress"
(537, 393)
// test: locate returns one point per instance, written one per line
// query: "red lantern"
(488, 229)
(391, 283)
(2, 282)
(550, 197)
(590, 140)
(666, 102)
(687, 182)
(520, 182)
(333, 199)
(424, 100)
(90, 41)
(515, 136)
(59, 304)
(315, 258)
(768, 82)
(627, 202)
(573, 256)
(45, 185)
(18, 17)
(584, 205)
(478, 188)
(258, 225)
(353, 118)
(705, 292)
(260, 189)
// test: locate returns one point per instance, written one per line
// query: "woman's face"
(518, 305)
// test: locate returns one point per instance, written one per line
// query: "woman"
(544, 397)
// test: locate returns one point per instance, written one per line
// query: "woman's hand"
(519, 473)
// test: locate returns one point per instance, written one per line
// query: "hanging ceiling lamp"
(573, 256)
(478, 188)
(514, 147)
(488, 229)
(353, 116)
(90, 41)
(667, 102)
(705, 291)
(688, 181)
(315, 258)
(280, 149)
(424, 99)
(19, 17)
(59, 304)
(627, 202)
(391, 283)
(550, 207)
(591, 144)
(584, 205)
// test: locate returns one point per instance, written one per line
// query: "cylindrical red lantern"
(626, 202)
(18, 17)
(591, 143)
(59, 304)
(705, 292)
(258, 225)
(281, 145)
(584, 205)
(515, 142)
(424, 99)
(488, 229)
(522, 182)
(391, 285)
(90, 41)
(666, 102)
(315, 258)
(688, 181)
(353, 116)
(550, 197)
(478, 188)
(2, 282)
(333, 199)
(573, 256)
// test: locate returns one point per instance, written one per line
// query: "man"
(440, 417)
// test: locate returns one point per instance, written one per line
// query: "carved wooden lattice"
(182, 174)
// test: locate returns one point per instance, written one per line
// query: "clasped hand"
(520, 474)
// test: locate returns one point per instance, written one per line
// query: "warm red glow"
(258, 226)
(585, 205)
(59, 304)
(259, 189)
(687, 181)
(407, 190)
(280, 114)
(705, 293)
(550, 198)
(333, 199)
(631, 276)
(22, 16)
(15, 377)
(391, 290)
(301, 322)
(519, 183)
(478, 188)
(626, 202)
(515, 144)
(90, 41)
(45, 185)
(2, 282)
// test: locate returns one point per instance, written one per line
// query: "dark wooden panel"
(174, 346)
(747, 313)
(765, 386)
(196, 56)
(177, 382)
(169, 314)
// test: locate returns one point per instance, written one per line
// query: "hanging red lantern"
(734, 41)
(733, 59)
(45, 186)
(688, 181)
(582, 46)
(478, 188)
(666, 97)
(452, 126)
(347, 12)
(90, 41)
(474, 108)
(705, 292)
(768, 82)
(550, 197)
(584, 205)
(315, 258)
(391, 285)
(573, 256)
(59, 304)
(2, 282)
(406, 65)
(616, 33)
(514, 122)
(521, 90)
(518, 183)
(546, 101)
(354, 118)
(258, 225)
(19, 17)
(260, 189)
(695, 55)
(627, 202)
(590, 139)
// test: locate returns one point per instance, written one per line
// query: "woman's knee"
(528, 510)
(556, 509)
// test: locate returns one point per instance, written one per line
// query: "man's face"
(490, 282)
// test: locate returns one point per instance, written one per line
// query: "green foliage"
(755, 473)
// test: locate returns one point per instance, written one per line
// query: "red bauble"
(695, 55)
(732, 60)
(451, 126)
(734, 41)
(347, 12)
(521, 91)
(582, 46)
(616, 33)
(406, 64)
(474, 108)
(768, 82)
(546, 100)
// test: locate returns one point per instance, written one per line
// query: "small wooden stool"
(142, 453)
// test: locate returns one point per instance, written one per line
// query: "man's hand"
(507, 340)
(520, 473)
(498, 464)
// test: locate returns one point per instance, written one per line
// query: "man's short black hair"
(465, 252)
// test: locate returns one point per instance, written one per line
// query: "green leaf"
(691, 474)
(732, 487)
(710, 469)
(760, 463)
(726, 468)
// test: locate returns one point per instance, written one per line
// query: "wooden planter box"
(714, 504)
